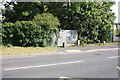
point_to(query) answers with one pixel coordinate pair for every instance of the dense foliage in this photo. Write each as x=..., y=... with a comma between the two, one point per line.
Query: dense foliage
x=47, y=20
x=117, y=32
x=22, y=11
x=26, y=33
x=94, y=21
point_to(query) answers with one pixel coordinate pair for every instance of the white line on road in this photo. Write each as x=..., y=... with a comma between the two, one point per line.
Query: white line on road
x=113, y=57
x=67, y=78
x=55, y=64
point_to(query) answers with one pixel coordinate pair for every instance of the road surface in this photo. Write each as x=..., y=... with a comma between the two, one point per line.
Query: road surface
x=96, y=62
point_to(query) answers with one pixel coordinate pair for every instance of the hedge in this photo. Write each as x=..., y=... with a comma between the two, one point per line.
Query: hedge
x=26, y=33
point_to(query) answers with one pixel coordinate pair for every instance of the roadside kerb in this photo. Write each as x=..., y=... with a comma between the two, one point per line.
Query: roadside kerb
x=93, y=50
x=63, y=52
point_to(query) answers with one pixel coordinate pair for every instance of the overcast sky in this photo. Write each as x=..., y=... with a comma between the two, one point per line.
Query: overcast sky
x=115, y=10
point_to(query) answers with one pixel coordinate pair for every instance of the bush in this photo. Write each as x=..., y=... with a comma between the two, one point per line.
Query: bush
x=26, y=33
x=46, y=20
x=117, y=32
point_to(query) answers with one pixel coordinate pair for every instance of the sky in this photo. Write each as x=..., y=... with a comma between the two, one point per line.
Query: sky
x=114, y=9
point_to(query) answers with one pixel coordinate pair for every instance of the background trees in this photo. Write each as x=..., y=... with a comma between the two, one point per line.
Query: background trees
x=22, y=11
x=94, y=21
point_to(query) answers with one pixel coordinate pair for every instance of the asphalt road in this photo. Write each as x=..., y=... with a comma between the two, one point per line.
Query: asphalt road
x=85, y=63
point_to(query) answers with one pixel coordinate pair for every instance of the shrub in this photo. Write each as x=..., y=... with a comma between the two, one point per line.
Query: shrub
x=117, y=32
x=26, y=33
x=49, y=24
x=21, y=33
x=46, y=20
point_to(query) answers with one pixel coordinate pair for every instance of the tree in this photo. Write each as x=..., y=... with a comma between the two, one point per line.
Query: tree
x=60, y=10
x=34, y=26
x=22, y=11
x=93, y=20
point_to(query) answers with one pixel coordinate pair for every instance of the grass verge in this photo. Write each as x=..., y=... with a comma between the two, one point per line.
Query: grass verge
x=32, y=50
x=26, y=50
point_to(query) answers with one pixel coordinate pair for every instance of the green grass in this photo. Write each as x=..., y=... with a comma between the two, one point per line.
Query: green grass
x=26, y=50
x=32, y=50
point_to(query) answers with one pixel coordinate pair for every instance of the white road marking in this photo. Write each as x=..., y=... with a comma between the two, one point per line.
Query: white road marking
x=55, y=64
x=113, y=57
x=67, y=78
x=61, y=52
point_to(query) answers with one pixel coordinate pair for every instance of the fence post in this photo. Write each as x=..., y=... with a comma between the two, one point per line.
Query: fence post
x=111, y=36
x=78, y=42
x=64, y=44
